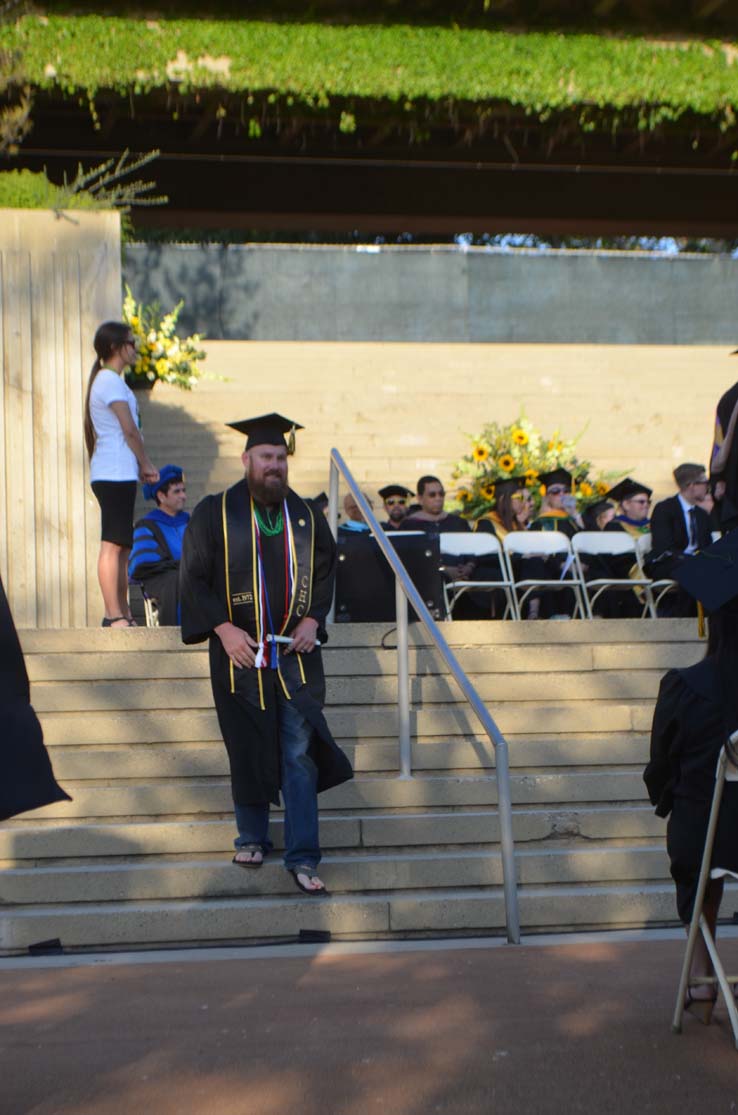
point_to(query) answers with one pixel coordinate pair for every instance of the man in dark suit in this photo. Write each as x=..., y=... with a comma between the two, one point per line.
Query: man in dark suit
x=679, y=529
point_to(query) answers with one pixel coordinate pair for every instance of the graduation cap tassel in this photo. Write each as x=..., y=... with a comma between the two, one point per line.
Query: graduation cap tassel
x=291, y=442
x=700, y=620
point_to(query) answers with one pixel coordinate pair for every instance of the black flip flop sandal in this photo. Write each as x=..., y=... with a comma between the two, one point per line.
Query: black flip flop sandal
x=303, y=869
x=249, y=863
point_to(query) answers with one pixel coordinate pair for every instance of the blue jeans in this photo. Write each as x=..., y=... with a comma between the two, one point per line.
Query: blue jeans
x=299, y=794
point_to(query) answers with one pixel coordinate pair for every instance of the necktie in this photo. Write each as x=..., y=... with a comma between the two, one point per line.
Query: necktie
x=693, y=527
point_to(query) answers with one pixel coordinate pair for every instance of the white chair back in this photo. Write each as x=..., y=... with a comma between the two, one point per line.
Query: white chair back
x=536, y=542
x=469, y=545
x=609, y=542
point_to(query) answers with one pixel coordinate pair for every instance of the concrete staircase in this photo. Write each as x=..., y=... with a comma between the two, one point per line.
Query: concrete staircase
x=142, y=854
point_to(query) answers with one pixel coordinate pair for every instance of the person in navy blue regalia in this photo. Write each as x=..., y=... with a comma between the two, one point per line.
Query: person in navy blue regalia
x=157, y=543
x=257, y=562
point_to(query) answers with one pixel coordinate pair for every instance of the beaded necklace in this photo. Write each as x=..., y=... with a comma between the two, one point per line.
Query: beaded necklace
x=269, y=530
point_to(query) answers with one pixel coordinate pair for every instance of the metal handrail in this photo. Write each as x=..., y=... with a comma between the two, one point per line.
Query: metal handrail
x=406, y=592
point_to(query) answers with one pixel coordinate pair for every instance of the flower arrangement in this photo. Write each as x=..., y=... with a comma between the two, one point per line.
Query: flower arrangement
x=162, y=355
x=518, y=449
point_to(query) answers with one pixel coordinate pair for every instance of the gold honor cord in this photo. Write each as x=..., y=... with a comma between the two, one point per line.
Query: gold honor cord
x=257, y=599
x=228, y=584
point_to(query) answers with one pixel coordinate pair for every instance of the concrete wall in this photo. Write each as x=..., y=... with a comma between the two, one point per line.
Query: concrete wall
x=59, y=278
x=440, y=294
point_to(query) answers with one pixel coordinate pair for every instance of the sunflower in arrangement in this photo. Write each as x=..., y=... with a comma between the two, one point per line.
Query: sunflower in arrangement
x=519, y=450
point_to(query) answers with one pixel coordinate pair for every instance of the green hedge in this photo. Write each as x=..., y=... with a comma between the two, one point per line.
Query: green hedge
x=27, y=189
x=313, y=63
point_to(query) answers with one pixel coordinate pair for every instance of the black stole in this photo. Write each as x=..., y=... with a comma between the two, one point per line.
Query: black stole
x=239, y=543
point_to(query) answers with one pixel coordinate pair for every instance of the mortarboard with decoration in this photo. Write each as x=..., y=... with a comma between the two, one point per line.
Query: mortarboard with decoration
x=268, y=429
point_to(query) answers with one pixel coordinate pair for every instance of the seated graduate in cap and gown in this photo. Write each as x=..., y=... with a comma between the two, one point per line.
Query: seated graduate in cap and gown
x=612, y=603
x=558, y=507
x=557, y=513
x=634, y=507
x=512, y=512
x=696, y=712
x=395, y=499
x=263, y=566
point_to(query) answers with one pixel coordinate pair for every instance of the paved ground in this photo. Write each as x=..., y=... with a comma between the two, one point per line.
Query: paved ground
x=579, y=1027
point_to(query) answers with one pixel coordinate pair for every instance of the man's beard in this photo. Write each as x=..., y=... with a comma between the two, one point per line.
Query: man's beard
x=269, y=489
x=397, y=516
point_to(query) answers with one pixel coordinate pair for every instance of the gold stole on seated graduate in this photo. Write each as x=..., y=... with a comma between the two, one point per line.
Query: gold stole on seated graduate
x=245, y=608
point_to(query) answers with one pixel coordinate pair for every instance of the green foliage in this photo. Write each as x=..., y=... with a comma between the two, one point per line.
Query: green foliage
x=27, y=189
x=313, y=63
x=100, y=188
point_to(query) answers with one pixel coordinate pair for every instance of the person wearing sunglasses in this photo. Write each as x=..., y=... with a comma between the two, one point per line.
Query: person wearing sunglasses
x=395, y=499
x=558, y=509
x=634, y=507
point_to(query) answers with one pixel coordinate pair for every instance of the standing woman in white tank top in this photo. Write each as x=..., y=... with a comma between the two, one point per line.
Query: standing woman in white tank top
x=118, y=460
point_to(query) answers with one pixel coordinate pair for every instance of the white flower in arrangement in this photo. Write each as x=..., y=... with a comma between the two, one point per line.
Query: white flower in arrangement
x=162, y=354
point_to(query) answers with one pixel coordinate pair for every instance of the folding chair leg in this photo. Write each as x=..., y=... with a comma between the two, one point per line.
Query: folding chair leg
x=698, y=924
x=725, y=987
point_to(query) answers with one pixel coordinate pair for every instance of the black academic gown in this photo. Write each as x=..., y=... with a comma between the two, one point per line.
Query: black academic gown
x=217, y=585
x=687, y=734
x=726, y=509
x=26, y=778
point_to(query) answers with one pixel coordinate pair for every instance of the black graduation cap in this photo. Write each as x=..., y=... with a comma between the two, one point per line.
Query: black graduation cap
x=711, y=576
x=268, y=429
x=508, y=484
x=320, y=501
x=626, y=489
x=591, y=512
x=556, y=476
x=395, y=490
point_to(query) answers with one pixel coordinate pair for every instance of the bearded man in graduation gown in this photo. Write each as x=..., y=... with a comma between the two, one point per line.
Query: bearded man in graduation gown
x=257, y=562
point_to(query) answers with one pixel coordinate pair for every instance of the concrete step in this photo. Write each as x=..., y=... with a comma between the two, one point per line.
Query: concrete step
x=355, y=724
x=193, y=760
x=503, y=692
x=190, y=797
x=178, y=662
x=647, y=634
x=402, y=913
x=217, y=877
x=32, y=839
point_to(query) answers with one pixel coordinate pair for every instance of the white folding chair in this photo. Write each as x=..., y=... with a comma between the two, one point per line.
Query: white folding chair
x=466, y=546
x=605, y=543
x=544, y=543
x=727, y=770
x=660, y=586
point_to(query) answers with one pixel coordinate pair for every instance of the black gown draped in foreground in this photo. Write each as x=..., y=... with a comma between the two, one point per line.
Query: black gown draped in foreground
x=687, y=734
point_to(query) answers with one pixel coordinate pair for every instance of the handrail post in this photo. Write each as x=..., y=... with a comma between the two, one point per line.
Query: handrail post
x=507, y=847
x=333, y=524
x=403, y=682
x=406, y=588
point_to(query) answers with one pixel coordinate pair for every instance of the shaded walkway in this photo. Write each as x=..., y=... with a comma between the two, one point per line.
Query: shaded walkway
x=574, y=1027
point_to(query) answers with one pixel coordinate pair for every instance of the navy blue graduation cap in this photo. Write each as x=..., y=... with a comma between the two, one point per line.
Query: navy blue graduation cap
x=268, y=429
x=711, y=576
x=166, y=474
